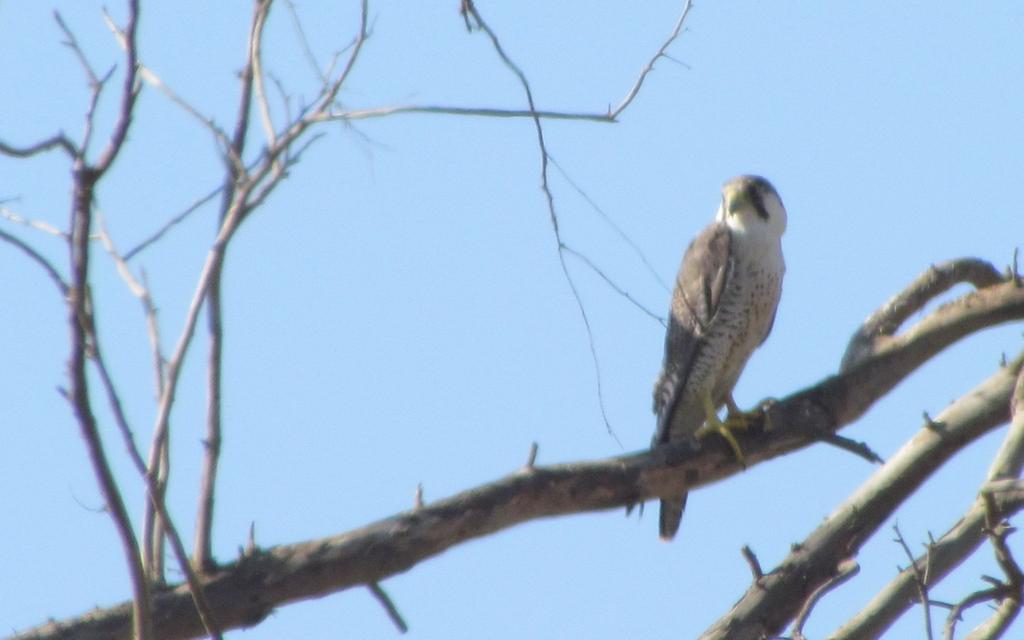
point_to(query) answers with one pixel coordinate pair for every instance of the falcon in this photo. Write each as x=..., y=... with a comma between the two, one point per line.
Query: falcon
x=723, y=308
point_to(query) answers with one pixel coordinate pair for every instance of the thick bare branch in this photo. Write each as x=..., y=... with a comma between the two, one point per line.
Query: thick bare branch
x=892, y=360
x=963, y=539
x=766, y=609
x=888, y=318
x=244, y=592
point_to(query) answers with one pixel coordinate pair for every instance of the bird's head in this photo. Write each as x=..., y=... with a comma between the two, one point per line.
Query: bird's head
x=750, y=205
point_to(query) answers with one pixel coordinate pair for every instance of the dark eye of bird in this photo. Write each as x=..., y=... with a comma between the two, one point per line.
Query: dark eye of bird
x=758, y=202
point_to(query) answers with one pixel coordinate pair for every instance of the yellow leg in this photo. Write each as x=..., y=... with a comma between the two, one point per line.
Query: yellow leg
x=714, y=424
x=739, y=419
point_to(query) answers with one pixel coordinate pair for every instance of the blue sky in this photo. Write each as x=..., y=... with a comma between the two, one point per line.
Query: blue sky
x=397, y=315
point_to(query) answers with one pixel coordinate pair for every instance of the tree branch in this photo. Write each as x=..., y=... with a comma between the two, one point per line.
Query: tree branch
x=938, y=279
x=80, y=321
x=203, y=544
x=58, y=140
x=661, y=53
x=963, y=539
x=244, y=592
x=766, y=609
x=38, y=258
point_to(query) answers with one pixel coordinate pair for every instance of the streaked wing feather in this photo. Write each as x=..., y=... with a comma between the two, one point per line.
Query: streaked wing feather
x=702, y=278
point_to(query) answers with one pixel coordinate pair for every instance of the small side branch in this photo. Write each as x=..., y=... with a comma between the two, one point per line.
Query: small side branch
x=860, y=449
x=484, y=112
x=662, y=52
x=755, y=565
x=389, y=606
x=847, y=569
x=920, y=580
x=53, y=142
x=39, y=259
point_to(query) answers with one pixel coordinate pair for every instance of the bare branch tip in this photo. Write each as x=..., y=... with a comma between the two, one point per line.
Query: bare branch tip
x=389, y=606
x=532, y=457
x=755, y=565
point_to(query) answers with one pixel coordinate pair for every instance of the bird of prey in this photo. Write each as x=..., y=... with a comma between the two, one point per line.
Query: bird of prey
x=723, y=308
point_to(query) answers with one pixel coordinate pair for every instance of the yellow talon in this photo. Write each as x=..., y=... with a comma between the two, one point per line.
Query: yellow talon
x=740, y=419
x=714, y=424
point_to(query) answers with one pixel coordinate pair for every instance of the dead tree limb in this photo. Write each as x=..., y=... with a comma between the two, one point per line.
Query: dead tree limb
x=962, y=540
x=244, y=592
x=767, y=608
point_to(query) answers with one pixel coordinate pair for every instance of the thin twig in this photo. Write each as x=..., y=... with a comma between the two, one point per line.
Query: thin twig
x=1009, y=591
x=635, y=89
x=256, y=60
x=611, y=223
x=159, y=233
x=153, y=326
x=150, y=77
x=129, y=90
x=451, y=110
x=307, y=50
x=619, y=290
x=96, y=83
x=154, y=491
x=470, y=8
x=956, y=614
x=53, y=142
x=38, y=258
x=71, y=42
x=203, y=541
x=919, y=580
x=38, y=225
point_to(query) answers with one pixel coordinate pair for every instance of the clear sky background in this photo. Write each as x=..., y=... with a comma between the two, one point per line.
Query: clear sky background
x=396, y=313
